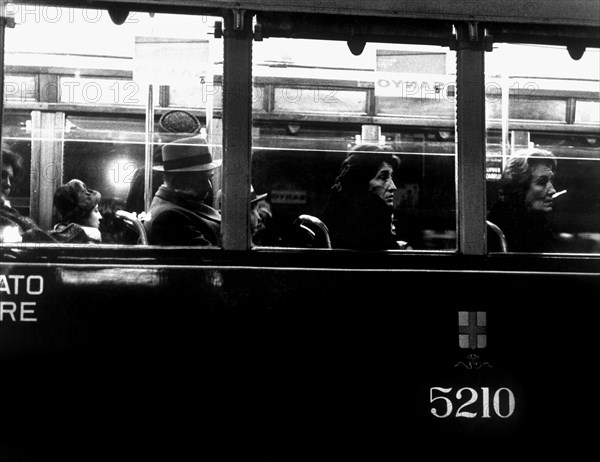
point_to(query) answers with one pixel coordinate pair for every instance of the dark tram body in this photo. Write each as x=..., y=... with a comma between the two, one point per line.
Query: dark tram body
x=288, y=358
x=290, y=352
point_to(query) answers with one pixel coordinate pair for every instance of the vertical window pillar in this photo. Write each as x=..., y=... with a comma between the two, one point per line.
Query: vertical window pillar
x=47, y=147
x=237, y=130
x=471, y=139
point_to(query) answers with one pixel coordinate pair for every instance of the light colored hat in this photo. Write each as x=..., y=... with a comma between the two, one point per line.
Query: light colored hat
x=256, y=197
x=187, y=155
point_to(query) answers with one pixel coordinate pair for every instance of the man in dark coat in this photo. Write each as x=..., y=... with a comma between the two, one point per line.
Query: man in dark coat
x=178, y=214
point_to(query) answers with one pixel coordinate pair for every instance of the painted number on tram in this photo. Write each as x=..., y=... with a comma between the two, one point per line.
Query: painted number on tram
x=469, y=403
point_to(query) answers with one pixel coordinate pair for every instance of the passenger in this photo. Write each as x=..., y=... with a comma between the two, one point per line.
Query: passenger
x=28, y=230
x=9, y=230
x=171, y=126
x=359, y=213
x=178, y=214
x=260, y=214
x=260, y=217
x=112, y=228
x=11, y=166
x=79, y=216
x=525, y=204
x=13, y=221
x=135, y=198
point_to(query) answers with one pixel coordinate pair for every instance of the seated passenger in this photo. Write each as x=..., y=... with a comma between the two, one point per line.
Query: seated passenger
x=9, y=230
x=79, y=217
x=178, y=214
x=172, y=125
x=359, y=213
x=260, y=215
x=112, y=228
x=135, y=197
x=26, y=228
x=11, y=165
x=524, y=208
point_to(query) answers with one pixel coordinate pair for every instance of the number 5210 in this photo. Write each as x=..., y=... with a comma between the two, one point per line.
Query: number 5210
x=473, y=405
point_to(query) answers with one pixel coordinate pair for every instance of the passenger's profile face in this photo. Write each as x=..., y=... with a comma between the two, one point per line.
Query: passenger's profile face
x=93, y=220
x=539, y=195
x=382, y=184
x=7, y=177
x=260, y=213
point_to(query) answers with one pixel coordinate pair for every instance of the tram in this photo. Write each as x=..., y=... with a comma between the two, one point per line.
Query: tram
x=286, y=349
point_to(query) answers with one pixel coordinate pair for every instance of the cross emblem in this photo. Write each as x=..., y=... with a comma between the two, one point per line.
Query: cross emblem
x=472, y=329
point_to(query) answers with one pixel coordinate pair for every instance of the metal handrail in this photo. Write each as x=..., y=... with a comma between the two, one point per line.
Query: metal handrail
x=302, y=219
x=132, y=220
x=500, y=234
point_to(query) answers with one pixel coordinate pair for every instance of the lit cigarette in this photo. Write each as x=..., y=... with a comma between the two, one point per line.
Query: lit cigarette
x=559, y=193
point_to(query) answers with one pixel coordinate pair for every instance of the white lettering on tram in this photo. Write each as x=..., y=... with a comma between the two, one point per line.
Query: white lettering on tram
x=503, y=403
x=17, y=311
x=19, y=285
x=14, y=284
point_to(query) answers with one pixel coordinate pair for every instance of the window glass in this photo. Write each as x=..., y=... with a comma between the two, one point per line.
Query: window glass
x=543, y=151
x=331, y=121
x=19, y=87
x=108, y=101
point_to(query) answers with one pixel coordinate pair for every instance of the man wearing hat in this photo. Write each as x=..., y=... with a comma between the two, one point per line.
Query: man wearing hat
x=178, y=214
x=172, y=125
x=260, y=213
x=260, y=216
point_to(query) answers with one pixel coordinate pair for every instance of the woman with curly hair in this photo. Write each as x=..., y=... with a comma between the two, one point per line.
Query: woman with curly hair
x=525, y=204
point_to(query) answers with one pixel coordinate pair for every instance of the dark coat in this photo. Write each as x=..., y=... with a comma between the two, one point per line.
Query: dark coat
x=360, y=223
x=29, y=230
x=135, y=198
x=525, y=231
x=174, y=220
x=72, y=233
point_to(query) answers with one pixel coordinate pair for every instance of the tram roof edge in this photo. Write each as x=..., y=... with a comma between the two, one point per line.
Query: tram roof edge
x=555, y=12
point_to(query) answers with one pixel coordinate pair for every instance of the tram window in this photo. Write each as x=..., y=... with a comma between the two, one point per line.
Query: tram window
x=98, y=93
x=323, y=103
x=540, y=100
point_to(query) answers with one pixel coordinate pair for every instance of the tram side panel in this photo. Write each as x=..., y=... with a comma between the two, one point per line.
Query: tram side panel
x=289, y=361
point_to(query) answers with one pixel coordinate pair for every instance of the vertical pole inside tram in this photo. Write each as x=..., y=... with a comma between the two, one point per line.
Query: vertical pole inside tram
x=148, y=145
